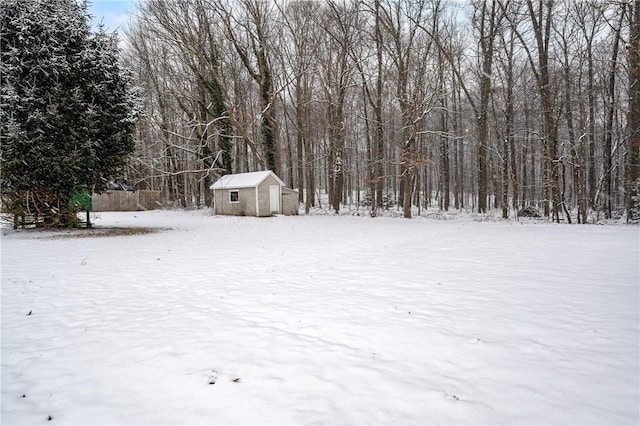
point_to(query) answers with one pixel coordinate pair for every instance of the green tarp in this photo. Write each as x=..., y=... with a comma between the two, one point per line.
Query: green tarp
x=82, y=200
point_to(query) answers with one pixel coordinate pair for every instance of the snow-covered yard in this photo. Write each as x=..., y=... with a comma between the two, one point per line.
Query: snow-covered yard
x=321, y=320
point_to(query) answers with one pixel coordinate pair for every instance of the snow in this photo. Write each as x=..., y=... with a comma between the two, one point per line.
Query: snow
x=244, y=180
x=320, y=320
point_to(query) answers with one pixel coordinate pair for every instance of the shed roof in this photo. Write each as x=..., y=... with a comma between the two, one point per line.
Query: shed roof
x=244, y=180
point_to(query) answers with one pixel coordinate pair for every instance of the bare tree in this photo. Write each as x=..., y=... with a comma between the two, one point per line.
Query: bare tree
x=508, y=152
x=372, y=87
x=487, y=21
x=409, y=49
x=632, y=182
x=566, y=33
x=589, y=21
x=391, y=98
x=611, y=107
x=247, y=27
x=540, y=15
x=339, y=24
x=303, y=35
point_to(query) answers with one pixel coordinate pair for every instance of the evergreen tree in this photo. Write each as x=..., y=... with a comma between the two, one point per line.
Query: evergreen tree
x=67, y=111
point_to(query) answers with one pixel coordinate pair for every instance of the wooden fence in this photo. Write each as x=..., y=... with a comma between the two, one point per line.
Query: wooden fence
x=126, y=201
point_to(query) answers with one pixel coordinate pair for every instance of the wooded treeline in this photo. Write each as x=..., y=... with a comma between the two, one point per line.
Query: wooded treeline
x=484, y=105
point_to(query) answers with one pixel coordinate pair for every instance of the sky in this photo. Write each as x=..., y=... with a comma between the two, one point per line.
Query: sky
x=114, y=14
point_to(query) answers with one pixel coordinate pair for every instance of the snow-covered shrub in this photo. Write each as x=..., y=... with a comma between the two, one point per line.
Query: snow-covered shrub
x=387, y=200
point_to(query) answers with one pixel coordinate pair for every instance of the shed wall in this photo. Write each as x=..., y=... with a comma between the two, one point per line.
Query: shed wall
x=245, y=207
x=290, y=204
x=263, y=196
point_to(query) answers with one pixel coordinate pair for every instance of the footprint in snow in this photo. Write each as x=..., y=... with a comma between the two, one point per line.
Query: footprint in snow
x=213, y=378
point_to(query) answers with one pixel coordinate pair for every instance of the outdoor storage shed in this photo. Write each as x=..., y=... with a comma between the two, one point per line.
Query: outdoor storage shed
x=253, y=194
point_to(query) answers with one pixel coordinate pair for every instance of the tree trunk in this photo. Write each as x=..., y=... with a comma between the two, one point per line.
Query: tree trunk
x=633, y=116
x=301, y=106
x=591, y=128
x=541, y=21
x=578, y=174
x=444, y=144
x=608, y=130
x=489, y=24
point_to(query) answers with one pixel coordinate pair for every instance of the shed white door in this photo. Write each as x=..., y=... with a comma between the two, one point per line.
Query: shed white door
x=274, y=198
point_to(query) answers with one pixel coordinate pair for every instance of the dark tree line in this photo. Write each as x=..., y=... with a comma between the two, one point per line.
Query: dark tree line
x=491, y=104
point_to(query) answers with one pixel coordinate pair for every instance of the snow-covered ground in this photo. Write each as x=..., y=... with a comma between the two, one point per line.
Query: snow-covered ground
x=320, y=320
